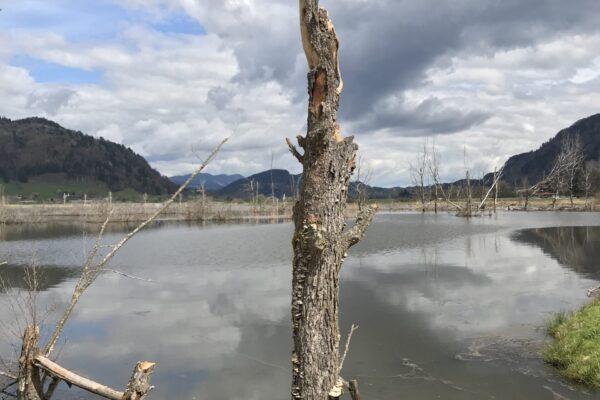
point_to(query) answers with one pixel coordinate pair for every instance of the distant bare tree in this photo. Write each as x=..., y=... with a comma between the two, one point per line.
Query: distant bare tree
x=493, y=187
x=567, y=165
x=418, y=174
x=363, y=178
x=434, y=171
x=573, y=155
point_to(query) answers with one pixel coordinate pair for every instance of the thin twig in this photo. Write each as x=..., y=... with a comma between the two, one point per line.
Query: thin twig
x=352, y=329
x=129, y=276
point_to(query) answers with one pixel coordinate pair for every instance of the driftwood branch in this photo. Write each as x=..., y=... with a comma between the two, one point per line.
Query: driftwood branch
x=137, y=388
x=363, y=219
x=74, y=379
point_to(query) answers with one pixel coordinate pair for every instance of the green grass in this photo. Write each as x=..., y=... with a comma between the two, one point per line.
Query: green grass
x=575, y=350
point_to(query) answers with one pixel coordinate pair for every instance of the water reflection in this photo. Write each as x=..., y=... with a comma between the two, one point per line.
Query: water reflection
x=577, y=248
x=447, y=308
x=16, y=277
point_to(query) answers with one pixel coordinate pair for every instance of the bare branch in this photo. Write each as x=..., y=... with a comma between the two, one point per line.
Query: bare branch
x=352, y=329
x=77, y=380
x=496, y=180
x=294, y=150
x=129, y=276
x=363, y=219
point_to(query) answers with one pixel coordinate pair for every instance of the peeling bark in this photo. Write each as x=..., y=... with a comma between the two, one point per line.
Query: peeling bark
x=320, y=242
x=28, y=383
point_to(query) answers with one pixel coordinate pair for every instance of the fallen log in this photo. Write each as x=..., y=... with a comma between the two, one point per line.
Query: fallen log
x=137, y=388
x=77, y=380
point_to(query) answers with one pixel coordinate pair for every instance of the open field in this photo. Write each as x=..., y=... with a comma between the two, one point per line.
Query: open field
x=238, y=211
x=134, y=212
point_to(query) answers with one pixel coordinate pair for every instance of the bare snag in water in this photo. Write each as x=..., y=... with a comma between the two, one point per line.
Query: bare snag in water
x=320, y=241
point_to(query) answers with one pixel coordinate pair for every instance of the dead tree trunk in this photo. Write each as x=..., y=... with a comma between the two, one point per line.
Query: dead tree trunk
x=29, y=384
x=320, y=242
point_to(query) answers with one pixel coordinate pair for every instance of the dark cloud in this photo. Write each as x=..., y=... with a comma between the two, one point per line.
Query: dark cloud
x=429, y=117
x=388, y=45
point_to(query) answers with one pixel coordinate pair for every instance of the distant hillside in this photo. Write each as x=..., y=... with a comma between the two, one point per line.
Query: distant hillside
x=41, y=151
x=211, y=182
x=533, y=165
x=283, y=184
x=286, y=183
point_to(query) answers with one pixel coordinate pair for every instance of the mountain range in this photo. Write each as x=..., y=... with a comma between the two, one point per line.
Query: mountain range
x=36, y=153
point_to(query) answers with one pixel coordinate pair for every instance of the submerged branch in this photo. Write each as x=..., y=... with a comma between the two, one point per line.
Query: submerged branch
x=91, y=270
x=7, y=374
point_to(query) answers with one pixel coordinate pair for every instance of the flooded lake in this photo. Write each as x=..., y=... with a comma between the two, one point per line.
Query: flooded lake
x=448, y=308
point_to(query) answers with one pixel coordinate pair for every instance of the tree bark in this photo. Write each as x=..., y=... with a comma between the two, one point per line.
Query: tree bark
x=28, y=383
x=320, y=242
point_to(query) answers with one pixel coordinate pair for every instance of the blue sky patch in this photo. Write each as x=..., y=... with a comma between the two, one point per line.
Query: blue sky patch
x=179, y=22
x=49, y=72
x=75, y=20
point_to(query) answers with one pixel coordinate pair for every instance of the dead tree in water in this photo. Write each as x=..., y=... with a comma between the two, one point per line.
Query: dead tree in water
x=320, y=241
x=567, y=165
x=434, y=169
x=418, y=173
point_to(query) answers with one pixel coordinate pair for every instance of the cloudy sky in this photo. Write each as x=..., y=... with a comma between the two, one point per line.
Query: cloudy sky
x=169, y=78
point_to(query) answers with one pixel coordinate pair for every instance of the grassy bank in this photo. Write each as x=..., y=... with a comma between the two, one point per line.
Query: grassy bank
x=575, y=350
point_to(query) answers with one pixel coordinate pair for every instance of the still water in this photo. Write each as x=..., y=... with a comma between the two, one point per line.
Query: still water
x=448, y=308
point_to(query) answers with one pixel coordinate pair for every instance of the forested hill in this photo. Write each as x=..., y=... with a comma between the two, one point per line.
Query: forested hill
x=36, y=149
x=530, y=167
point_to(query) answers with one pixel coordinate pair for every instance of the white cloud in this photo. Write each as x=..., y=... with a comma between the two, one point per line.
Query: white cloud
x=173, y=96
